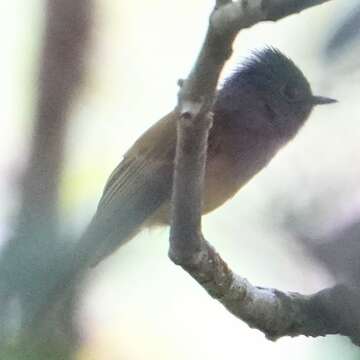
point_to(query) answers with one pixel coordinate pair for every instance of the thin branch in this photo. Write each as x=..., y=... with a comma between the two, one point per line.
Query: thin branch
x=274, y=312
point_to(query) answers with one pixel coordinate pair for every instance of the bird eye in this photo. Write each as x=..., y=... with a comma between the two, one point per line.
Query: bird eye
x=291, y=92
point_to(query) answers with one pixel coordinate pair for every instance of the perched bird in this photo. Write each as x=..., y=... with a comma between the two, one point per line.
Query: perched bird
x=258, y=110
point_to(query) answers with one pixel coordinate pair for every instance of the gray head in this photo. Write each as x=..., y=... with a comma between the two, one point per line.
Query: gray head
x=270, y=92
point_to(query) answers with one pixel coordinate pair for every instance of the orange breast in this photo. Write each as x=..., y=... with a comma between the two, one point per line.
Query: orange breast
x=221, y=183
x=233, y=159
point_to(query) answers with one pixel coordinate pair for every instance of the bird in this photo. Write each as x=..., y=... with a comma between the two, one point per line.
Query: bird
x=258, y=109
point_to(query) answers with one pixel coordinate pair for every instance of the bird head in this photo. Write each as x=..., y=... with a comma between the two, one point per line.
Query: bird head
x=273, y=89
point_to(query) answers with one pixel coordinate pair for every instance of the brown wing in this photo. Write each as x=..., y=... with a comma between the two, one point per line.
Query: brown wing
x=138, y=186
x=154, y=149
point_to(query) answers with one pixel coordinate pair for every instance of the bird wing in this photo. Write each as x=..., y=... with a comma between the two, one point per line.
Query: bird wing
x=138, y=186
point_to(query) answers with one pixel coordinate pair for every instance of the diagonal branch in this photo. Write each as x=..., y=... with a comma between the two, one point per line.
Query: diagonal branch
x=274, y=312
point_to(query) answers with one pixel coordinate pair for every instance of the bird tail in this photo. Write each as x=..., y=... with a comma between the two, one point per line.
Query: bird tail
x=116, y=224
x=98, y=242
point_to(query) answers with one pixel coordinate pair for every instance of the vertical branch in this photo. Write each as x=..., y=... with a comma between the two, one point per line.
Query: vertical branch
x=30, y=262
x=61, y=70
x=189, y=179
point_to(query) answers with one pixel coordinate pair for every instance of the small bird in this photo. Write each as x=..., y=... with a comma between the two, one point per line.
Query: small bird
x=258, y=110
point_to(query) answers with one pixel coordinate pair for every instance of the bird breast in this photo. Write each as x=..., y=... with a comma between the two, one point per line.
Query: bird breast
x=230, y=165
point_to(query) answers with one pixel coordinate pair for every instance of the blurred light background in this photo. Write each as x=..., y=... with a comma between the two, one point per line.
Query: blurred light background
x=137, y=304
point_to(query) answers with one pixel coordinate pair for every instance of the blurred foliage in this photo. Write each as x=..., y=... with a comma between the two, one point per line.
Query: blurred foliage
x=345, y=32
x=44, y=352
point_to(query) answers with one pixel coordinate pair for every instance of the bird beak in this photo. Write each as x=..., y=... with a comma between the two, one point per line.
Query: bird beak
x=321, y=100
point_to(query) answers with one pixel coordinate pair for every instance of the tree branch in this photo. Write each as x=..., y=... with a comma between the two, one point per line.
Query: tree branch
x=274, y=312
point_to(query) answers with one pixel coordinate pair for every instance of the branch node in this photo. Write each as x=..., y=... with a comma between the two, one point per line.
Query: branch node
x=185, y=258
